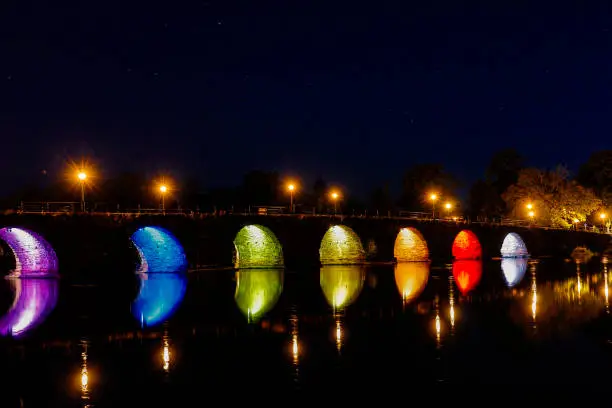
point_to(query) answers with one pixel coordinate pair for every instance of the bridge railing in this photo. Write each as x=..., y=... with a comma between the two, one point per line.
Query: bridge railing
x=67, y=207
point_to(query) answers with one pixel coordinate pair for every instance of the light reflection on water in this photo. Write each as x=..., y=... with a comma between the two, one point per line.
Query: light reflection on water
x=436, y=327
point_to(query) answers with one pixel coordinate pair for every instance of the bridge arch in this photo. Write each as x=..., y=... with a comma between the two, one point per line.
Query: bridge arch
x=514, y=246
x=159, y=250
x=466, y=246
x=34, y=256
x=341, y=246
x=410, y=246
x=256, y=246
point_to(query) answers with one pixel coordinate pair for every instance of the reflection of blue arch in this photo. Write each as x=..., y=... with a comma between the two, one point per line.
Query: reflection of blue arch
x=34, y=301
x=159, y=250
x=514, y=246
x=159, y=297
x=514, y=270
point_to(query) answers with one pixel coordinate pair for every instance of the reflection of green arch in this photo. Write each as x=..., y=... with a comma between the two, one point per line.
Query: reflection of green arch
x=257, y=291
x=257, y=247
x=341, y=246
x=342, y=284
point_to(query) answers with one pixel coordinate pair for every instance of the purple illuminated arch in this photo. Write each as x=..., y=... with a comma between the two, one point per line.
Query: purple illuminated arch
x=34, y=256
x=34, y=300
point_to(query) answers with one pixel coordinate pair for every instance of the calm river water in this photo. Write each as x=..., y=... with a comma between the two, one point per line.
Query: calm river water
x=367, y=329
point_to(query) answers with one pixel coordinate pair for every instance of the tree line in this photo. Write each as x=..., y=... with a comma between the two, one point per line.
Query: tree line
x=558, y=197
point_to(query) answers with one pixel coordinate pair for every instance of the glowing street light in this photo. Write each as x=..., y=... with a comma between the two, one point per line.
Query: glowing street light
x=433, y=197
x=291, y=188
x=529, y=206
x=448, y=207
x=531, y=215
x=163, y=189
x=82, y=176
x=335, y=196
x=603, y=217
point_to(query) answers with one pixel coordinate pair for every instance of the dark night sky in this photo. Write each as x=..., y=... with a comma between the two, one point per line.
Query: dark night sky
x=355, y=93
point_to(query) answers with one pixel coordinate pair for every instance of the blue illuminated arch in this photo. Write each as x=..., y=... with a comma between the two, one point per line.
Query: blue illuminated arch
x=159, y=250
x=159, y=296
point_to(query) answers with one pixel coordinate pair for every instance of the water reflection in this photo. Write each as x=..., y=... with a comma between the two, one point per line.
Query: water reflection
x=467, y=275
x=34, y=301
x=84, y=374
x=159, y=296
x=514, y=270
x=257, y=291
x=342, y=284
x=411, y=279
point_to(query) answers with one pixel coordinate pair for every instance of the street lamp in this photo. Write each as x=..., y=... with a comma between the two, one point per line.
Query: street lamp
x=433, y=197
x=334, y=196
x=530, y=206
x=603, y=217
x=531, y=215
x=82, y=176
x=448, y=207
x=291, y=188
x=163, y=189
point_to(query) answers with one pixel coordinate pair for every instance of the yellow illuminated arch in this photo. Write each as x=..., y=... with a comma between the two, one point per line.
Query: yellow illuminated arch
x=341, y=246
x=257, y=247
x=410, y=246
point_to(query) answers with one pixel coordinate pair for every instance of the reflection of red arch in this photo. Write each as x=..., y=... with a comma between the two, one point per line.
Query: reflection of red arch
x=466, y=246
x=467, y=274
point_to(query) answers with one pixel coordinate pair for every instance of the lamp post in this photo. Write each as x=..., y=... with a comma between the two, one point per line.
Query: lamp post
x=334, y=196
x=163, y=189
x=448, y=207
x=603, y=217
x=531, y=215
x=82, y=176
x=433, y=197
x=291, y=188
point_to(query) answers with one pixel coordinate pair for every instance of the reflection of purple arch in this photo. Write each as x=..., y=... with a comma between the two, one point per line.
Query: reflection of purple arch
x=34, y=300
x=34, y=256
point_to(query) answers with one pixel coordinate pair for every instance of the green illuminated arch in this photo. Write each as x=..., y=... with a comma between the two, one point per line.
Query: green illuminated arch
x=257, y=291
x=257, y=247
x=342, y=284
x=341, y=246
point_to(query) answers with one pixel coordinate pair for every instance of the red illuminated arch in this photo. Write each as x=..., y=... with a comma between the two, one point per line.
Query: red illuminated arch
x=467, y=274
x=466, y=246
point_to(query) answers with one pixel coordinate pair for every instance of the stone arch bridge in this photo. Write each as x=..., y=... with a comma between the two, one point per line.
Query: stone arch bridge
x=83, y=244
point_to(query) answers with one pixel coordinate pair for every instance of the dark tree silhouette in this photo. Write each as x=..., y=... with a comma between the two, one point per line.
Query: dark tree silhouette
x=596, y=174
x=423, y=178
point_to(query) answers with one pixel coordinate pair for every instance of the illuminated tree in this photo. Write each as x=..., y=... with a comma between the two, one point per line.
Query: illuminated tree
x=557, y=200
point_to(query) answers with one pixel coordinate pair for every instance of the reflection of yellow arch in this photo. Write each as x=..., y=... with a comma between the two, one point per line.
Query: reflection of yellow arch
x=411, y=279
x=341, y=246
x=341, y=284
x=410, y=246
x=257, y=247
x=257, y=291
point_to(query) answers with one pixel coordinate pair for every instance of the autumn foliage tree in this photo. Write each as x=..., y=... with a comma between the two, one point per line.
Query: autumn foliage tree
x=557, y=199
